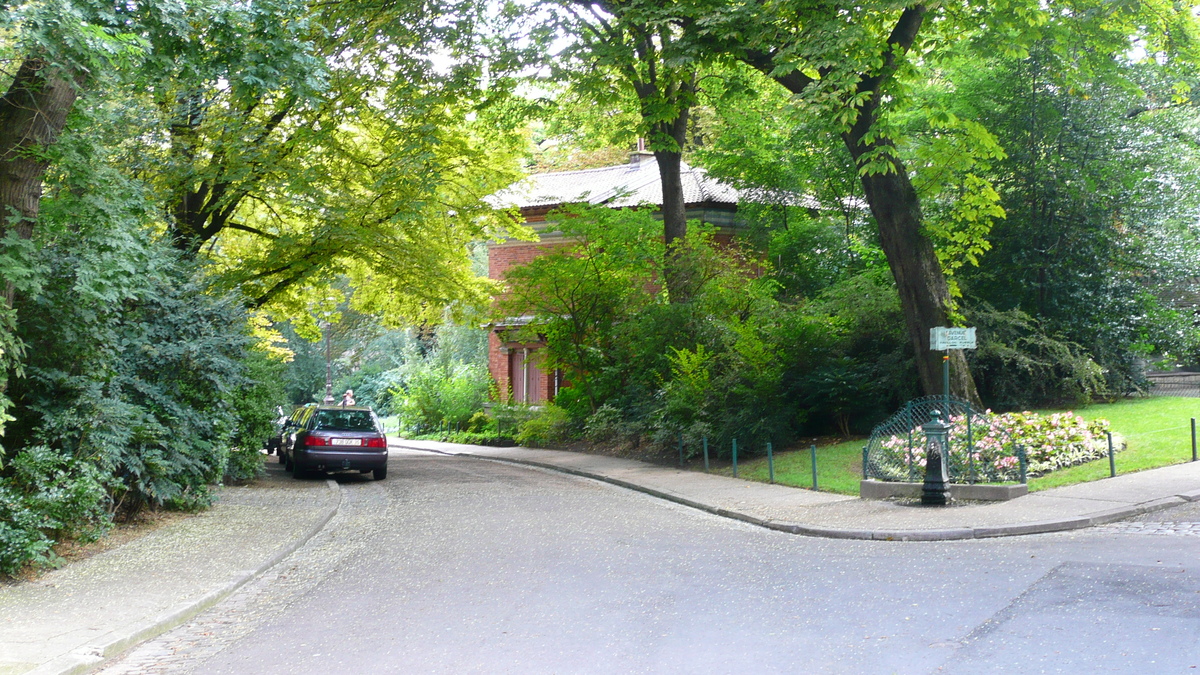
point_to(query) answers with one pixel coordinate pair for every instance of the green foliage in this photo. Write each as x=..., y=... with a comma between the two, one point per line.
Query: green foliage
x=583, y=295
x=1019, y=365
x=868, y=369
x=244, y=464
x=1093, y=242
x=733, y=362
x=254, y=403
x=44, y=497
x=550, y=426
x=317, y=146
x=143, y=386
x=440, y=381
x=437, y=395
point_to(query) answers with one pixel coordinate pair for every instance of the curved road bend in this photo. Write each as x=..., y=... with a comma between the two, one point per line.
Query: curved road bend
x=454, y=565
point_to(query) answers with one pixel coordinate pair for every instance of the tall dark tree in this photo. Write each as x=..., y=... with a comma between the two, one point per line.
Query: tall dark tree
x=643, y=48
x=856, y=64
x=1099, y=218
x=924, y=292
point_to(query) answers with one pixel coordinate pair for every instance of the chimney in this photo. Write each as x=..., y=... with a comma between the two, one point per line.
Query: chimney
x=637, y=157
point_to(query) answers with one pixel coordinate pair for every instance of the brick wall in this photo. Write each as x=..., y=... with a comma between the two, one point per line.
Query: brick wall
x=498, y=365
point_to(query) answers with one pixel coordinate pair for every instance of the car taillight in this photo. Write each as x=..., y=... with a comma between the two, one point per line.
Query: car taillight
x=377, y=442
x=316, y=440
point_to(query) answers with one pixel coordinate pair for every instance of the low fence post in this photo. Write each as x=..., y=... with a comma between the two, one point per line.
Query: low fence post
x=864, y=462
x=680, y=449
x=735, y=458
x=770, y=463
x=971, y=476
x=706, y=453
x=1023, y=463
x=1193, y=439
x=1112, y=466
x=813, y=451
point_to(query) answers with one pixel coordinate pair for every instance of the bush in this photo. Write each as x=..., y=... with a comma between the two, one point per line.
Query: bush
x=46, y=498
x=245, y=464
x=149, y=387
x=605, y=424
x=481, y=423
x=1018, y=364
x=470, y=438
x=438, y=395
x=550, y=426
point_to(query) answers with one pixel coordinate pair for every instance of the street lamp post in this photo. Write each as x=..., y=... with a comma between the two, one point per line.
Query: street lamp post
x=328, y=366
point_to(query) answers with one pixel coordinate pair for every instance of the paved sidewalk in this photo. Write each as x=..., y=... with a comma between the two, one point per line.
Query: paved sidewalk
x=73, y=619
x=825, y=514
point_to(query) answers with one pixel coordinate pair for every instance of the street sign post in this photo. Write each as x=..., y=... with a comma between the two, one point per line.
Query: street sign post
x=945, y=339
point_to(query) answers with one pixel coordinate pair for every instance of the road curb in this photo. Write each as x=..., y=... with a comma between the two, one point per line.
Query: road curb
x=92, y=656
x=944, y=534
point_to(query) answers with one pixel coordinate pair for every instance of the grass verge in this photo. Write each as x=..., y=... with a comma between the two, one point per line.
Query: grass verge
x=1157, y=431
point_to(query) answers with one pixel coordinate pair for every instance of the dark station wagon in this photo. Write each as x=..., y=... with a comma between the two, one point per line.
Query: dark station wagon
x=334, y=438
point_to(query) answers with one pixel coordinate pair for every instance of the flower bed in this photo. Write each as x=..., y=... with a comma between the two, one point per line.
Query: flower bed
x=987, y=452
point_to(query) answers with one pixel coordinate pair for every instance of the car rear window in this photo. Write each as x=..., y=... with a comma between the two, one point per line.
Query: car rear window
x=344, y=420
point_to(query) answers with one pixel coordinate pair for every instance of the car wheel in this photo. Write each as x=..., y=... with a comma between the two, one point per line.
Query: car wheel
x=297, y=472
x=380, y=473
x=286, y=461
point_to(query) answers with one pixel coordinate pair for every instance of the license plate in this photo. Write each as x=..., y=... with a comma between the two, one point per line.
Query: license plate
x=347, y=441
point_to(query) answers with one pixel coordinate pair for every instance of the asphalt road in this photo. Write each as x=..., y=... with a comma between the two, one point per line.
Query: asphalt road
x=456, y=565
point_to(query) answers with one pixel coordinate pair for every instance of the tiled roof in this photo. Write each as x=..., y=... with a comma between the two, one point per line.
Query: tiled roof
x=615, y=186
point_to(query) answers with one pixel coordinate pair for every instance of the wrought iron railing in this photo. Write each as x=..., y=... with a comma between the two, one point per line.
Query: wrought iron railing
x=981, y=451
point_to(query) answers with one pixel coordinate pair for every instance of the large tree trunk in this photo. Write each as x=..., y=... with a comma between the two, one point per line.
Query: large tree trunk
x=33, y=113
x=924, y=293
x=674, y=215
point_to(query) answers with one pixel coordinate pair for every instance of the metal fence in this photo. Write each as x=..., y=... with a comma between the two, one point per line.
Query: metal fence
x=980, y=450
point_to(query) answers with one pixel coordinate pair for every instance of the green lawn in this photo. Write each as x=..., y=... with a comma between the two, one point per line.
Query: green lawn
x=839, y=467
x=1156, y=430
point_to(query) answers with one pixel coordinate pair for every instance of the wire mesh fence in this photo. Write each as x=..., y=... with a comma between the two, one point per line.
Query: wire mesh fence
x=981, y=451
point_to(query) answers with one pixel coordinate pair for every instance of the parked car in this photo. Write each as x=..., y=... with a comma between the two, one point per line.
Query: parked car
x=334, y=438
x=271, y=444
x=287, y=432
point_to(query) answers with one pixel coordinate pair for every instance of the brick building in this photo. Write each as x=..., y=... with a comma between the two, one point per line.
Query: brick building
x=517, y=366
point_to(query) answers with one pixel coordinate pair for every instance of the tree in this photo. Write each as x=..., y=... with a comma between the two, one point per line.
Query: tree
x=816, y=52
x=804, y=207
x=639, y=48
x=1098, y=188
x=854, y=64
x=581, y=295
x=305, y=146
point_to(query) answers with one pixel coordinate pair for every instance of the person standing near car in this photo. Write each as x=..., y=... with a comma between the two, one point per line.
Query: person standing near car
x=348, y=397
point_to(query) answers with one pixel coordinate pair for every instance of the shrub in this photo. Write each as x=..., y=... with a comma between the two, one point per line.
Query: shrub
x=551, y=426
x=481, y=423
x=46, y=498
x=142, y=374
x=245, y=464
x=604, y=425
x=470, y=438
x=437, y=395
x=1018, y=364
